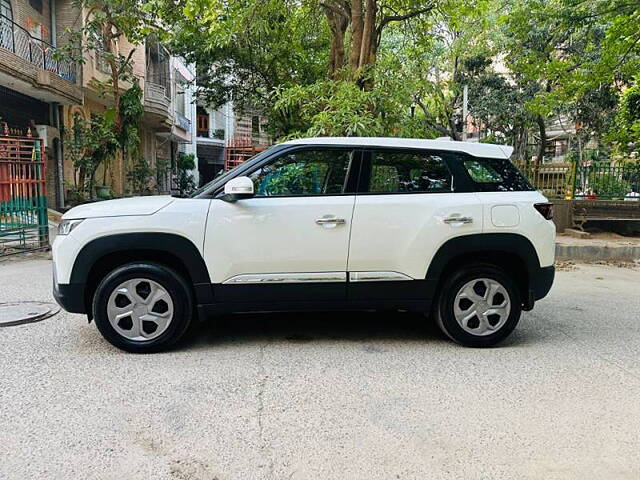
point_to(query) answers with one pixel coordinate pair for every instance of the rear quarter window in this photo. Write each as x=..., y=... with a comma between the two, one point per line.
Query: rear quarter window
x=494, y=175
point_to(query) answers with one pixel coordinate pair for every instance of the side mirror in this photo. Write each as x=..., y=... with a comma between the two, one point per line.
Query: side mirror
x=238, y=188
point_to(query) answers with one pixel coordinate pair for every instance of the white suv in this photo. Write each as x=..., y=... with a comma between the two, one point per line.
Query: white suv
x=450, y=229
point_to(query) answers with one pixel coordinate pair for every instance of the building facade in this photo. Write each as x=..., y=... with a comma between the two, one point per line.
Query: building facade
x=219, y=131
x=34, y=87
x=168, y=86
x=40, y=96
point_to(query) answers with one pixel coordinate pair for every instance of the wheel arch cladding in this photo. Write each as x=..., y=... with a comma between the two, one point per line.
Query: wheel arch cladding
x=510, y=251
x=104, y=254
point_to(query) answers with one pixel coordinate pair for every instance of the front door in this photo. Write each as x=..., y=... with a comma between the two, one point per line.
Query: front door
x=290, y=241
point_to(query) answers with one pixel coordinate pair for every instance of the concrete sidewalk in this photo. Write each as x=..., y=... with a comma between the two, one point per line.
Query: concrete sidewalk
x=598, y=247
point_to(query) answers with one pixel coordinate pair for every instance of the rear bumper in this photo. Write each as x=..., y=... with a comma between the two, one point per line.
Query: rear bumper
x=542, y=281
x=69, y=296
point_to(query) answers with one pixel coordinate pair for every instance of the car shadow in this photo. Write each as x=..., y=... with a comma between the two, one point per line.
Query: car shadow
x=307, y=327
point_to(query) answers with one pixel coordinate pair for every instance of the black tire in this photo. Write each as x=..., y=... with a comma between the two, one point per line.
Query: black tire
x=171, y=281
x=445, y=316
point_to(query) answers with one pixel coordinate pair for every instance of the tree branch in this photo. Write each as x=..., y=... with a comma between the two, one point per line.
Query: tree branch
x=335, y=9
x=126, y=61
x=430, y=118
x=401, y=18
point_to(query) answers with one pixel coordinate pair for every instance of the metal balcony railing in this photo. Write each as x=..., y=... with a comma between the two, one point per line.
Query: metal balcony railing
x=38, y=52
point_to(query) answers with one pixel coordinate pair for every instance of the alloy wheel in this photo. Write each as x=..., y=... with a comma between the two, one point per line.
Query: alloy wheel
x=482, y=306
x=140, y=309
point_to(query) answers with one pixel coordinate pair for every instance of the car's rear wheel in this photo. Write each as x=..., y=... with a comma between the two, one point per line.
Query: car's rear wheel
x=142, y=307
x=478, y=306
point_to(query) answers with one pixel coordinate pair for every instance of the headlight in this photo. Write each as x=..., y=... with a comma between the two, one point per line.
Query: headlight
x=67, y=226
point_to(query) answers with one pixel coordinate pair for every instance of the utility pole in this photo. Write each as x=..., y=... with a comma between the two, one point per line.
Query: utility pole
x=465, y=101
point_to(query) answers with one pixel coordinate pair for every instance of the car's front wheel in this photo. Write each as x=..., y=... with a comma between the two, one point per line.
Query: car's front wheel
x=478, y=306
x=143, y=307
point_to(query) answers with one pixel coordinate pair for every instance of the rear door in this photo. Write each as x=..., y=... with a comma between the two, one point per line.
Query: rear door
x=405, y=210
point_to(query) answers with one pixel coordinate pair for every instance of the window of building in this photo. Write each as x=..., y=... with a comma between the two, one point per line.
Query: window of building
x=404, y=172
x=36, y=5
x=202, y=120
x=255, y=125
x=5, y=10
x=6, y=25
x=158, y=65
x=180, y=99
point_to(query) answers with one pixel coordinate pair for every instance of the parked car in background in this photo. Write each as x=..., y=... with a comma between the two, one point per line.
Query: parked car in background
x=450, y=229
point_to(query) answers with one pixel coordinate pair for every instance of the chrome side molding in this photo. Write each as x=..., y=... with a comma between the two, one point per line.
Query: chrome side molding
x=315, y=277
x=305, y=277
x=378, y=276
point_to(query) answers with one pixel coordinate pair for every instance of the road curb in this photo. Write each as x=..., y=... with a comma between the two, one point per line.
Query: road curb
x=594, y=253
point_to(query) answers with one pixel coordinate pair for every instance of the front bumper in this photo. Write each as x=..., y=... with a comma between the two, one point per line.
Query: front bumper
x=69, y=296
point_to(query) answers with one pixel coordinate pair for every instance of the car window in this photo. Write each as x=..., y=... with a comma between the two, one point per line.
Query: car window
x=304, y=172
x=225, y=175
x=482, y=172
x=402, y=172
x=495, y=175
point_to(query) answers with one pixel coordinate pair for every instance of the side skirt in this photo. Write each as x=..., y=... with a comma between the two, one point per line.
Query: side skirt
x=413, y=295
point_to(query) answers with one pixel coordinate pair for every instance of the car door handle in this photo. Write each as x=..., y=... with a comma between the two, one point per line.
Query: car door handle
x=331, y=221
x=457, y=219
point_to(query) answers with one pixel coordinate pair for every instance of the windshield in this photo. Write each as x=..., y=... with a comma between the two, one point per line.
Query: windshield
x=224, y=174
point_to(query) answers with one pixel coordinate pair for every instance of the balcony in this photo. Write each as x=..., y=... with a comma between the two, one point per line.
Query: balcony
x=35, y=51
x=157, y=104
x=183, y=122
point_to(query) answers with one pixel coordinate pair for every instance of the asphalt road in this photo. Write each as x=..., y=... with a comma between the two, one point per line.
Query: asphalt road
x=329, y=396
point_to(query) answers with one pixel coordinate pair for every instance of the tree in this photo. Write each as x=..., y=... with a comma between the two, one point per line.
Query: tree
x=112, y=30
x=185, y=165
x=89, y=144
x=367, y=20
x=109, y=25
x=625, y=133
x=245, y=49
x=252, y=52
x=565, y=51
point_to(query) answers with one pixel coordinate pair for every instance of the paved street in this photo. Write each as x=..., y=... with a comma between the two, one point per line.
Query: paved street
x=329, y=396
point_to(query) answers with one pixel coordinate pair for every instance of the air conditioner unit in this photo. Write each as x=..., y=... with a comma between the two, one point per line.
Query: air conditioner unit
x=47, y=133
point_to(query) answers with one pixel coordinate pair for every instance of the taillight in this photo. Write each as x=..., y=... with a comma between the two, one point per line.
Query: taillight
x=545, y=209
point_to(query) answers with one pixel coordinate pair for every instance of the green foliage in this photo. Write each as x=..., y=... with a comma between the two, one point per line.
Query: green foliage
x=330, y=108
x=90, y=145
x=523, y=62
x=625, y=133
x=185, y=165
x=140, y=176
x=608, y=184
x=104, y=23
x=131, y=112
x=244, y=49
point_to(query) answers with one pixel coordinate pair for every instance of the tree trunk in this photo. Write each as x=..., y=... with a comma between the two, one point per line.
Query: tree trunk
x=542, y=146
x=357, y=30
x=519, y=140
x=368, y=33
x=338, y=23
x=453, y=131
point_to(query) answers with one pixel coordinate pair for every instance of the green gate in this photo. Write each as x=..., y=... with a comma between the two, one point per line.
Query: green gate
x=24, y=225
